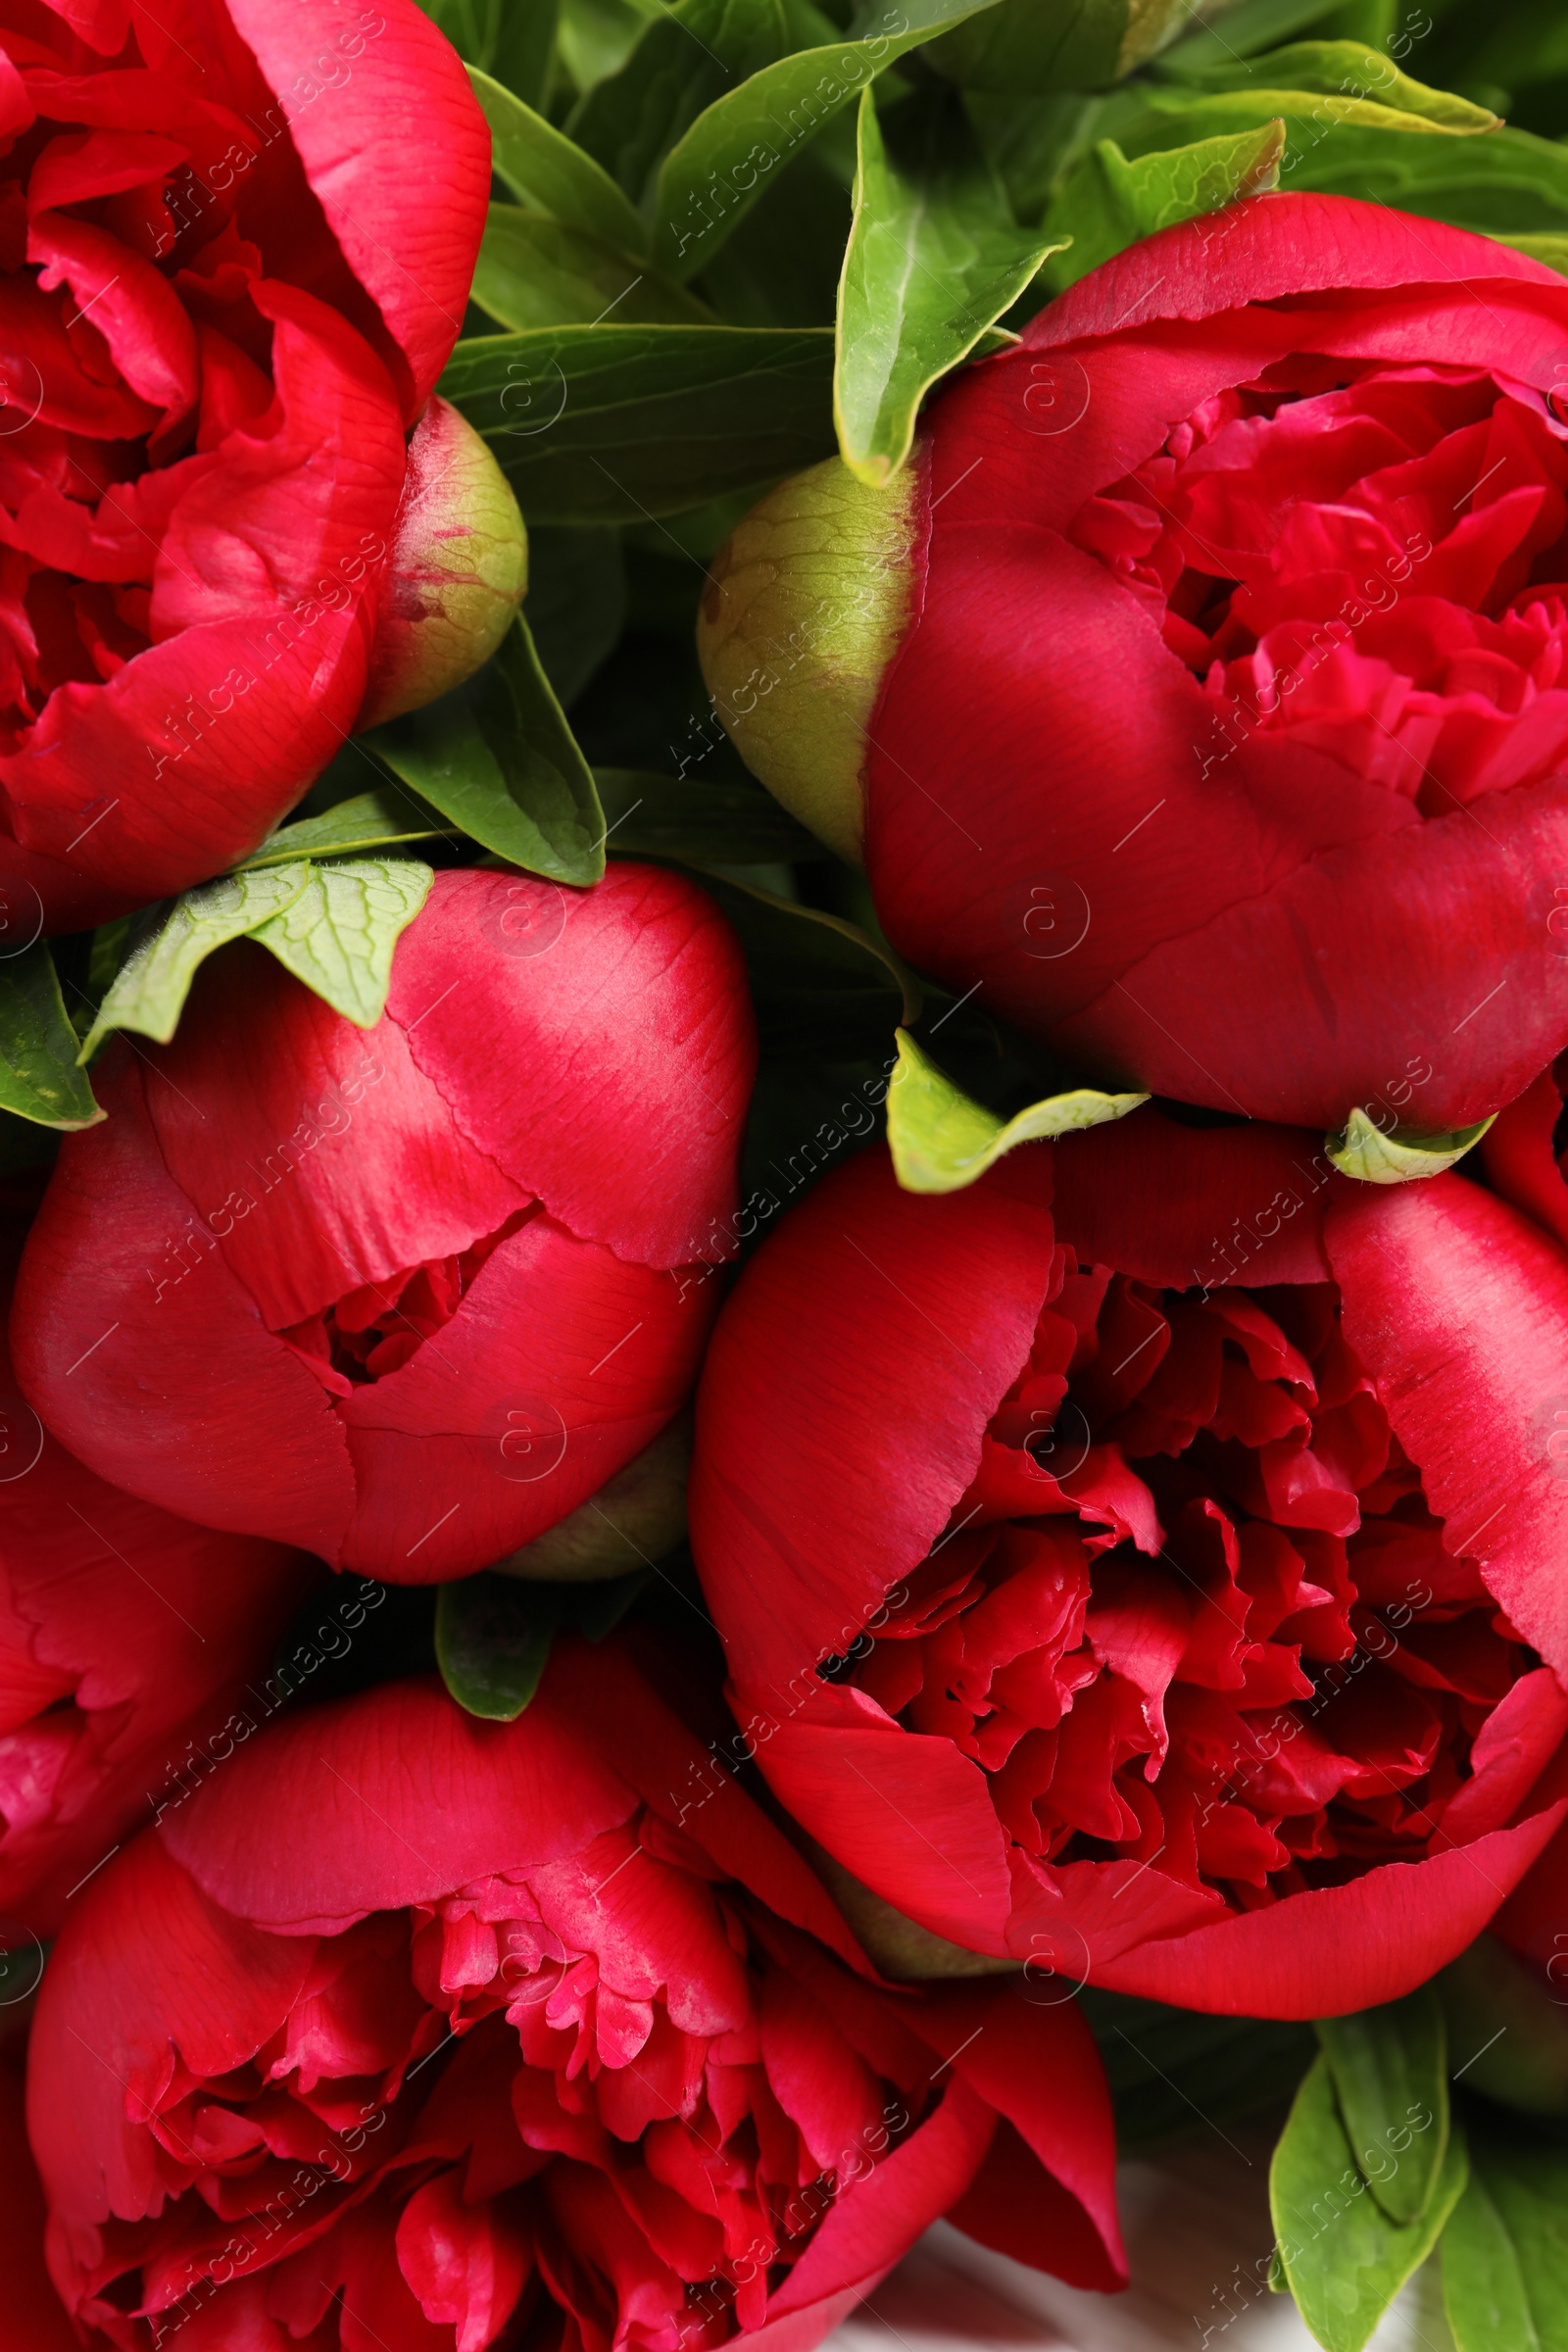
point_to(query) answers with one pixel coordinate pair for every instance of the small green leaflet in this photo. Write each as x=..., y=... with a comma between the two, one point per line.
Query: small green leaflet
x=549, y=174
x=333, y=926
x=1505, y=2248
x=1391, y=2073
x=338, y=936
x=715, y=173
x=493, y=1633
x=1346, y=69
x=39, y=1078
x=614, y=423
x=1362, y=1148
x=368, y=820
x=934, y=257
x=1342, y=2257
x=1109, y=203
x=533, y=271
x=497, y=757
x=941, y=1141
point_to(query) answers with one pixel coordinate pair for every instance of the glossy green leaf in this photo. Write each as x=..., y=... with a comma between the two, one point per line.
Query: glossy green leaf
x=492, y=1641
x=576, y=601
x=339, y=933
x=1324, y=131
x=619, y=424
x=698, y=820
x=1110, y=202
x=1391, y=2073
x=1378, y=1156
x=1346, y=70
x=549, y=174
x=934, y=257
x=510, y=39
x=1345, y=2260
x=149, y=993
x=498, y=757
x=1552, y=248
x=533, y=273
x=595, y=37
x=39, y=1077
x=941, y=1141
x=1067, y=45
x=686, y=57
x=368, y=820
x=1507, y=184
x=718, y=170
x=1505, y=2248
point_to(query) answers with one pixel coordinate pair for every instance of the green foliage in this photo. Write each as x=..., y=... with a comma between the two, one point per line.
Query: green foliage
x=1505, y=2247
x=1390, y=2066
x=39, y=1077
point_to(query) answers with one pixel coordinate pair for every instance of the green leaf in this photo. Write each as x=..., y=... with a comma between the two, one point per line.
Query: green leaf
x=1552, y=248
x=596, y=36
x=1379, y=1156
x=1110, y=202
x=533, y=273
x=339, y=933
x=492, y=1641
x=511, y=40
x=934, y=256
x=698, y=820
x=941, y=1140
x=368, y=820
x=619, y=424
x=1345, y=2260
x=1505, y=2248
x=684, y=60
x=39, y=1077
x=498, y=757
x=713, y=175
x=576, y=601
x=1347, y=68
x=1243, y=31
x=549, y=174
x=823, y=989
x=150, y=990
x=1391, y=2073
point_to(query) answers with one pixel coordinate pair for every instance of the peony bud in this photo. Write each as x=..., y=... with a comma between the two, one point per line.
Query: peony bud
x=459, y=569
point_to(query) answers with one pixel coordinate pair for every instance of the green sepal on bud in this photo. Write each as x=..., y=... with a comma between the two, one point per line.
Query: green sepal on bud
x=1026, y=47
x=458, y=572
x=805, y=605
x=1383, y=1156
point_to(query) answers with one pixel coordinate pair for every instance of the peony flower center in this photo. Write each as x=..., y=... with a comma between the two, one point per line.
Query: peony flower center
x=1196, y=1610
x=381, y=1326
x=1371, y=563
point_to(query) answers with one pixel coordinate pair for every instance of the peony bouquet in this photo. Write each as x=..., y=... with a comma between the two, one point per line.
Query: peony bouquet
x=783, y=1173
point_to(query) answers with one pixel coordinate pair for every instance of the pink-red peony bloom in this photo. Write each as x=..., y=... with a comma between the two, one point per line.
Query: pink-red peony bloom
x=128, y=1641
x=413, y=2033
x=1151, y=1564
x=406, y=1297
x=1210, y=691
x=224, y=295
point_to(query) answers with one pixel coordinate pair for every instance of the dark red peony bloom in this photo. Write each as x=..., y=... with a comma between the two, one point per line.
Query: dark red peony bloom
x=1204, y=695
x=413, y=2033
x=127, y=1641
x=1153, y=1557
x=224, y=298
x=404, y=1296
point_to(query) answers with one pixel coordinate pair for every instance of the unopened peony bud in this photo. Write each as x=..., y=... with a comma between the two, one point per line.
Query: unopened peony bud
x=459, y=569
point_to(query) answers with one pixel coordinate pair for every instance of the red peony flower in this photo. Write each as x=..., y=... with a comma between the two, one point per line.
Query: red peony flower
x=225, y=298
x=1202, y=693
x=129, y=1641
x=1152, y=1556
x=406, y=1297
x=414, y=2033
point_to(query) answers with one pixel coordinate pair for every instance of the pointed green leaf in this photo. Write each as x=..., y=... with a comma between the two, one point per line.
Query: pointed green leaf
x=498, y=757
x=1245, y=31
x=533, y=273
x=1391, y=2071
x=370, y=820
x=338, y=936
x=1346, y=69
x=1109, y=203
x=152, y=986
x=1345, y=2260
x=1386, y=1156
x=39, y=1076
x=731, y=152
x=549, y=174
x=624, y=423
x=941, y=1141
x=698, y=819
x=686, y=57
x=934, y=257
x=1505, y=2248
x=511, y=40
x=492, y=1641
